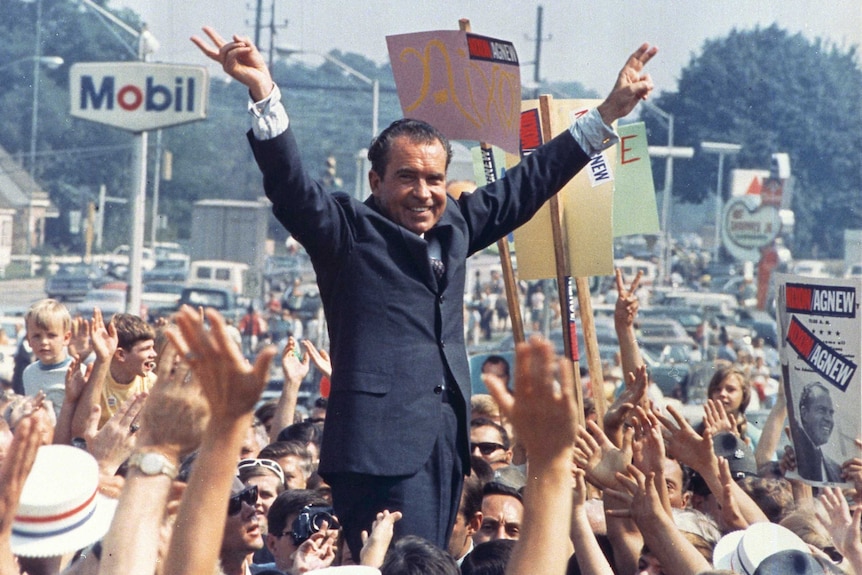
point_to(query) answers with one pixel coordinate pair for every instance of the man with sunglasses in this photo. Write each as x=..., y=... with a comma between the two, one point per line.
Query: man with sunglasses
x=242, y=530
x=490, y=441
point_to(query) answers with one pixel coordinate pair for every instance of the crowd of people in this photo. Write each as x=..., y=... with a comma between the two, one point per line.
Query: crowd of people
x=186, y=470
x=142, y=450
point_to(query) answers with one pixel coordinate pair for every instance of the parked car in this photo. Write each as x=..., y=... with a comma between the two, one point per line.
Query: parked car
x=160, y=298
x=109, y=301
x=73, y=281
x=218, y=297
x=170, y=268
x=654, y=333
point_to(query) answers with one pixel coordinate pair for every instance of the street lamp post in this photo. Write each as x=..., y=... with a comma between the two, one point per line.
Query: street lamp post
x=722, y=149
x=668, y=152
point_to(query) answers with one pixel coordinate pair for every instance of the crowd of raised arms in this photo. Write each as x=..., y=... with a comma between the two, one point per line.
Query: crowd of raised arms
x=193, y=473
x=141, y=450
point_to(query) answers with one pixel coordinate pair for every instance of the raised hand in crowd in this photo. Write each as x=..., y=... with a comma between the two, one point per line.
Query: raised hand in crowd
x=375, y=544
x=676, y=554
x=633, y=394
x=295, y=367
x=589, y=555
x=80, y=345
x=600, y=459
x=625, y=313
x=716, y=417
x=316, y=552
x=75, y=383
x=115, y=441
x=171, y=426
x=104, y=341
x=14, y=470
x=648, y=451
x=231, y=387
x=320, y=357
x=542, y=411
x=851, y=470
x=843, y=525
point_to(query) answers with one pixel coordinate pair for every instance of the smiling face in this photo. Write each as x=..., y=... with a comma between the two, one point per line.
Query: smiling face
x=412, y=191
x=729, y=392
x=817, y=417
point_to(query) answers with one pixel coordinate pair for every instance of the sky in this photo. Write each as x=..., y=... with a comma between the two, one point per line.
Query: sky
x=584, y=41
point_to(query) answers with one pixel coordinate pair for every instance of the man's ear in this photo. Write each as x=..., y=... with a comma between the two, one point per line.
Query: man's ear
x=374, y=181
x=120, y=354
x=269, y=540
x=475, y=523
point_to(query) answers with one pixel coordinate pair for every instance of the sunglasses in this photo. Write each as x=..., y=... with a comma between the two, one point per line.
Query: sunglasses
x=247, y=496
x=265, y=463
x=486, y=447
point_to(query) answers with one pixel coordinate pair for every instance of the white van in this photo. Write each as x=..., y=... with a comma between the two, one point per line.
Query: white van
x=219, y=272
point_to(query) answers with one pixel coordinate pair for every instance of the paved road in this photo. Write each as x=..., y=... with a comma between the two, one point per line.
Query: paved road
x=17, y=295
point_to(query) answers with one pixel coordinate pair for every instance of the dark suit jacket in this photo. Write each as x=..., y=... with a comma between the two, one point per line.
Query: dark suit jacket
x=396, y=334
x=810, y=460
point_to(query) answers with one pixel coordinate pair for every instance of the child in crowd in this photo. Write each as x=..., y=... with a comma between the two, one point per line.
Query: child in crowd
x=49, y=330
x=132, y=363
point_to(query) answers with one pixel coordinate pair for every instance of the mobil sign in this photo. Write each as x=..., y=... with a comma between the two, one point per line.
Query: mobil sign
x=138, y=96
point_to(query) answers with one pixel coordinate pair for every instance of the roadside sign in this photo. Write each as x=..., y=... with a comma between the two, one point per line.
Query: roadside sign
x=138, y=96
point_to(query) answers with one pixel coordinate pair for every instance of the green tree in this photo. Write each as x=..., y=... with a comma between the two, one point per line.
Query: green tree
x=771, y=91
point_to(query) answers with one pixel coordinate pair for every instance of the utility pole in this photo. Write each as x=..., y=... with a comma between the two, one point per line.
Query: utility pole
x=537, y=62
x=258, y=15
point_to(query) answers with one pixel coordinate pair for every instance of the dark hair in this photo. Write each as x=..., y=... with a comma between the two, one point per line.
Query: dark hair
x=485, y=422
x=289, y=503
x=497, y=360
x=416, y=131
x=773, y=496
x=131, y=329
x=266, y=411
x=412, y=555
x=488, y=558
x=304, y=432
x=471, y=496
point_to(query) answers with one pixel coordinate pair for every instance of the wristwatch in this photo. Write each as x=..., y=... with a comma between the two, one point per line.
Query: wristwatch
x=153, y=463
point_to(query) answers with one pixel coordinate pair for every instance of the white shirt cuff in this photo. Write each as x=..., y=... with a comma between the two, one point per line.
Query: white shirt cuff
x=269, y=118
x=592, y=134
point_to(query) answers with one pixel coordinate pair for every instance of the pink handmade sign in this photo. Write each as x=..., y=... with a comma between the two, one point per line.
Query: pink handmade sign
x=467, y=86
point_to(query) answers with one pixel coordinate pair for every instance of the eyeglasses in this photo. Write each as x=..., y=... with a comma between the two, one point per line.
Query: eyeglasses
x=247, y=496
x=265, y=463
x=486, y=447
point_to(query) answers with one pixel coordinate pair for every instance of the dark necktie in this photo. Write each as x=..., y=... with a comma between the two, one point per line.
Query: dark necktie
x=438, y=266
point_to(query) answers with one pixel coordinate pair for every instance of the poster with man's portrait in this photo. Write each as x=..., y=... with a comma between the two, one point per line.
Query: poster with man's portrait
x=821, y=346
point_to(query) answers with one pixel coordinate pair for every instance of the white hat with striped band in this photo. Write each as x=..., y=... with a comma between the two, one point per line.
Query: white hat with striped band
x=61, y=509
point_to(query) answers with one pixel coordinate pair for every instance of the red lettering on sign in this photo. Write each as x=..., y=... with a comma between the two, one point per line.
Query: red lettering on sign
x=531, y=134
x=624, y=149
x=798, y=297
x=799, y=338
x=479, y=47
x=136, y=95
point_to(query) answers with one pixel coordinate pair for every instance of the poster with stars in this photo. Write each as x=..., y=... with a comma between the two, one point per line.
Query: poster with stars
x=820, y=348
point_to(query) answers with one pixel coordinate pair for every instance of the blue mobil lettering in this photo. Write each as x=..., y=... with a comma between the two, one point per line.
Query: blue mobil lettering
x=130, y=97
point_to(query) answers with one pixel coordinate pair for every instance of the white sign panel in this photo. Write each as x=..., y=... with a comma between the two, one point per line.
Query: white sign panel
x=138, y=96
x=821, y=351
x=747, y=226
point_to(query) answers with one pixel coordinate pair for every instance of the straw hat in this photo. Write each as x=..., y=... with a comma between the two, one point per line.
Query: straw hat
x=744, y=551
x=61, y=509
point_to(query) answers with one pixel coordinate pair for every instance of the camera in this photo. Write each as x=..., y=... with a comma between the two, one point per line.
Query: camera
x=310, y=520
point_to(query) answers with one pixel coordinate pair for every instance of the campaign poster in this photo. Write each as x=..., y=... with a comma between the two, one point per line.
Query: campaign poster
x=466, y=85
x=820, y=351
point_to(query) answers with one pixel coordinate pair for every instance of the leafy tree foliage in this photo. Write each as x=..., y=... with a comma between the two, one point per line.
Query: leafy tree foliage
x=771, y=91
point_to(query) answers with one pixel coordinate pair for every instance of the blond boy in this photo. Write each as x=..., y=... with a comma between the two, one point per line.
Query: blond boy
x=49, y=330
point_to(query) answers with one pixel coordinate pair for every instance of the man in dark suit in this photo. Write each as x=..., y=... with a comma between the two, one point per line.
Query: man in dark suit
x=391, y=272
x=812, y=432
